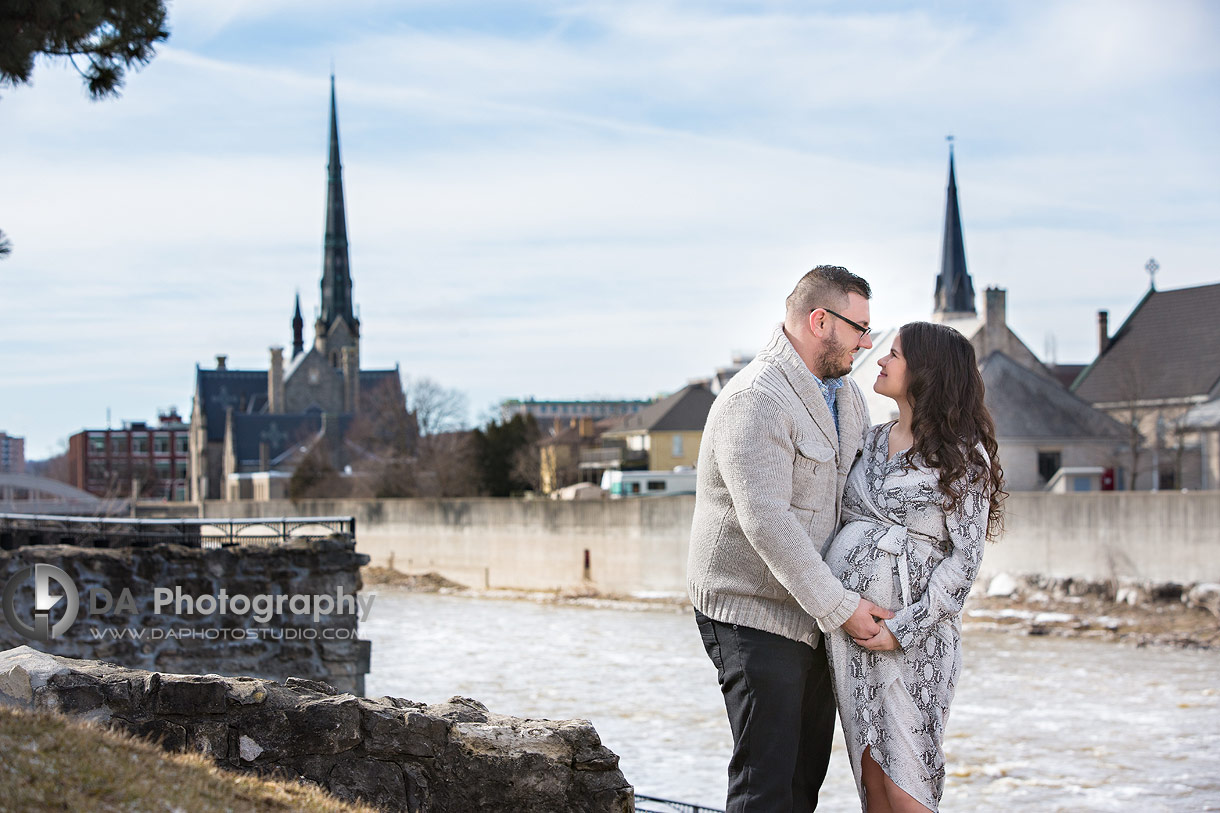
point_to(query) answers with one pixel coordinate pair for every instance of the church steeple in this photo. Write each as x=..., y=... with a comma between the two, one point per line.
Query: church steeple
x=336, y=273
x=298, y=330
x=954, y=289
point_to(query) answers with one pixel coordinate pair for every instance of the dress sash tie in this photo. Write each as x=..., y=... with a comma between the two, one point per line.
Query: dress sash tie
x=898, y=540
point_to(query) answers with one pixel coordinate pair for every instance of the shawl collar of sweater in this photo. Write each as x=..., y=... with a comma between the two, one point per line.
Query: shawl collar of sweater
x=780, y=352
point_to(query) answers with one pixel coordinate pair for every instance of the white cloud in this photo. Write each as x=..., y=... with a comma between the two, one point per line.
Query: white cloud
x=596, y=198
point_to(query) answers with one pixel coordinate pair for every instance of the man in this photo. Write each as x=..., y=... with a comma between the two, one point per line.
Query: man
x=778, y=444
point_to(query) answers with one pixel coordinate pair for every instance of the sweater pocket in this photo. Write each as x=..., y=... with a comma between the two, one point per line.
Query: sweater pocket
x=811, y=467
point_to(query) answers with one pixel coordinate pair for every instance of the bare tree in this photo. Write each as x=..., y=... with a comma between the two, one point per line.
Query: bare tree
x=447, y=465
x=436, y=408
x=382, y=444
x=1133, y=409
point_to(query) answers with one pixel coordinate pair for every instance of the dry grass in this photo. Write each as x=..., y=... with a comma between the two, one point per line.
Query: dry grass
x=51, y=762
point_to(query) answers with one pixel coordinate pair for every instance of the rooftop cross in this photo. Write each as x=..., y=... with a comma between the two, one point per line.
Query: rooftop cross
x=1152, y=266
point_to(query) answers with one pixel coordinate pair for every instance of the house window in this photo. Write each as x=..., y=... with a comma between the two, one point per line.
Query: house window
x=118, y=444
x=1048, y=464
x=161, y=444
x=180, y=469
x=656, y=485
x=182, y=443
x=97, y=444
x=162, y=469
x=677, y=444
x=139, y=444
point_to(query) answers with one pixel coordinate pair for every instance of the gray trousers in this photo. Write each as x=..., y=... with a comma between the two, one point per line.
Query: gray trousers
x=781, y=710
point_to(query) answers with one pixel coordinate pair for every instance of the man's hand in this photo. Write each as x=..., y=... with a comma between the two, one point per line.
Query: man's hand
x=862, y=625
x=884, y=640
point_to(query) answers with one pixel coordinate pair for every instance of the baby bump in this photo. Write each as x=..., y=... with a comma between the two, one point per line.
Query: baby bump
x=857, y=562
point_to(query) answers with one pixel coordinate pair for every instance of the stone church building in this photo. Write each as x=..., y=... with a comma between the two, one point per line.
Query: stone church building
x=249, y=428
x=1041, y=426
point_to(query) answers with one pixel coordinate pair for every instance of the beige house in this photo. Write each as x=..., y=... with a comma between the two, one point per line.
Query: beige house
x=664, y=435
x=559, y=454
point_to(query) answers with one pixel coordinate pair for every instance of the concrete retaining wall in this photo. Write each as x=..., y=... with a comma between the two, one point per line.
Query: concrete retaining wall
x=641, y=544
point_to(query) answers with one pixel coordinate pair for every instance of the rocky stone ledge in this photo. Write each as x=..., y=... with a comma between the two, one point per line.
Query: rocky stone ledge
x=392, y=753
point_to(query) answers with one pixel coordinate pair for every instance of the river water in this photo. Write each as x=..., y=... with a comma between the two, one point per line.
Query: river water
x=1038, y=724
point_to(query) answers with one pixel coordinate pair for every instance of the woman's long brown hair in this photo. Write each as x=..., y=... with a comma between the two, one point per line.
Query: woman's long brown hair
x=949, y=418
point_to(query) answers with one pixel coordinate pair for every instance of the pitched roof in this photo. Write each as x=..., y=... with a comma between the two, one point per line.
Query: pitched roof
x=282, y=433
x=243, y=390
x=685, y=410
x=1169, y=347
x=1024, y=404
x=1065, y=374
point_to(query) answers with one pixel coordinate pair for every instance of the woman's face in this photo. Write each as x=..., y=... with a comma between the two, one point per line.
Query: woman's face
x=892, y=380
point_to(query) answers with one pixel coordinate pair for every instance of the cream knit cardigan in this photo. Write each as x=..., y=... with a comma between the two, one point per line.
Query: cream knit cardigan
x=770, y=479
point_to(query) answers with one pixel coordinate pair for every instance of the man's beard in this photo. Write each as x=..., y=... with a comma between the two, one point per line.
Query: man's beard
x=830, y=363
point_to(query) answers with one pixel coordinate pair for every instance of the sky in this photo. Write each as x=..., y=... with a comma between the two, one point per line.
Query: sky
x=588, y=199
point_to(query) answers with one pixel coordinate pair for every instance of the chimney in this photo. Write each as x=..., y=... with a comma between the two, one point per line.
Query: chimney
x=264, y=456
x=1103, y=331
x=586, y=427
x=220, y=362
x=995, y=319
x=997, y=305
x=275, y=382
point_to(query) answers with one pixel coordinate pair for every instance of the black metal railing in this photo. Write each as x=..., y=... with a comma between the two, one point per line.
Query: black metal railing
x=653, y=804
x=20, y=530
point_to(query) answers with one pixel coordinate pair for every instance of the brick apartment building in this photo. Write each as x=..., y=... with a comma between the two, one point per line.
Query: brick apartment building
x=12, y=454
x=107, y=462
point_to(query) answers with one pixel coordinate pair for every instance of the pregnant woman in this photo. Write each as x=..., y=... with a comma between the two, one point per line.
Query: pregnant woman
x=919, y=503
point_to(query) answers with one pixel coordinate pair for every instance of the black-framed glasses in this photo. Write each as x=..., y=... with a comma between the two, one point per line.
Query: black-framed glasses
x=864, y=331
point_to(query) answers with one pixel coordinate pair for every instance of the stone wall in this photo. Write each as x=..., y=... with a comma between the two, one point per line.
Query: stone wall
x=641, y=544
x=392, y=753
x=119, y=620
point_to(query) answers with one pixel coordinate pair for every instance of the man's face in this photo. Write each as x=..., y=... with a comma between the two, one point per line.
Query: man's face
x=840, y=345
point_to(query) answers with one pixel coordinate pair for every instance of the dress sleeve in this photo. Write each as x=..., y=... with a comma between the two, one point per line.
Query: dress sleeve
x=953, y=577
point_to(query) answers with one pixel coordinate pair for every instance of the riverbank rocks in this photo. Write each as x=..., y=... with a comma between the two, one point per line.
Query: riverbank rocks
x=392, y=753
x=1207, y=596
x=1002, y=584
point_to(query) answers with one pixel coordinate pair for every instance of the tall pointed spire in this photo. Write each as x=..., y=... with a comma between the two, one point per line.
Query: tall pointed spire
x=336, y=273
x=954, y=289
x=298, y=330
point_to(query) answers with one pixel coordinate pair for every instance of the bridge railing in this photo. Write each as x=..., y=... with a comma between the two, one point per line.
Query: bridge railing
x=19, y=530
x=652, y=804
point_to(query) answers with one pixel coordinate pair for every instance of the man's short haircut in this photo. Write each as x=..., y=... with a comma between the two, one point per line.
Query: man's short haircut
x=826, y=286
